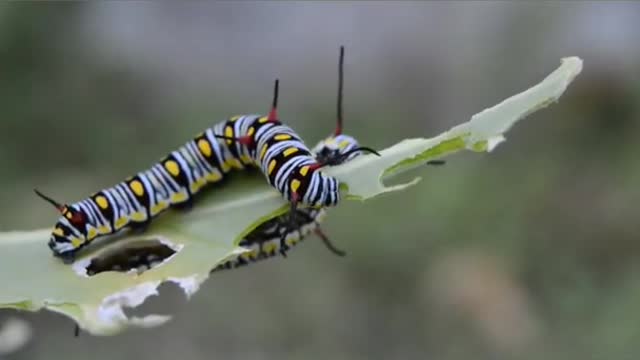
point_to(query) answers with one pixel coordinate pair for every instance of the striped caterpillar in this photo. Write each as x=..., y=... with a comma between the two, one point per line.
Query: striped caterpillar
x=279, y=235
x=240, y=142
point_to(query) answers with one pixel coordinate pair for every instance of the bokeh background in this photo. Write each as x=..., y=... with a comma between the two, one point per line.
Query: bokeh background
x=529, y=252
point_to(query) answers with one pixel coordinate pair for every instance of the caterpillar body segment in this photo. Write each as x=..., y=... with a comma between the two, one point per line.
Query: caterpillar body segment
x=265, y=241
x=172, y=182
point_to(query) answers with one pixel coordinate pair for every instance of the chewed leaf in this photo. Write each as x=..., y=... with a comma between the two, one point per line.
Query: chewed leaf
x=182, y=247
x=482, y=133
x=197, y=240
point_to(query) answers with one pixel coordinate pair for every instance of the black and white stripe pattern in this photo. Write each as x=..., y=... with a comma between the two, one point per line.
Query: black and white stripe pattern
x=172, y=182
x=265, y=241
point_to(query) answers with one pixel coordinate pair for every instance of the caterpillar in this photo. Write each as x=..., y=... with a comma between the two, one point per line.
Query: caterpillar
x=171, y=183
x=235, y=144
x=282, y=233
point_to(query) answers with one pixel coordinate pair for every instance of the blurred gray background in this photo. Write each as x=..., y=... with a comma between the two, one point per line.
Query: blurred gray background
x=529, y=252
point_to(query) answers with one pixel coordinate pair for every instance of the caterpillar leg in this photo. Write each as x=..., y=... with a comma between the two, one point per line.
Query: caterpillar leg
x=67, y=258
x=140, y=227
x=328, y=243
x=184, y=206
x=291, y=224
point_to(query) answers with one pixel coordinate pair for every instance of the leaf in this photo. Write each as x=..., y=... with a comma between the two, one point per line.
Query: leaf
x=203, y=237
x=482, y=133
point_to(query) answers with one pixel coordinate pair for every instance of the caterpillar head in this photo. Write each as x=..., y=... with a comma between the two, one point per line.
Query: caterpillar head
x=336, y=149
x=69, y=232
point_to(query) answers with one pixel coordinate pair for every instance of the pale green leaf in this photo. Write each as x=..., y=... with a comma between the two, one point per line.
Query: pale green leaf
x=32, y=279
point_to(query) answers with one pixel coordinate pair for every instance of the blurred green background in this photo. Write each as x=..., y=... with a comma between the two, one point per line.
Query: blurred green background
x=529, y=252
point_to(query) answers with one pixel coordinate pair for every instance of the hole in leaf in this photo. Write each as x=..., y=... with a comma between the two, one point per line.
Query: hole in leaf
x=139, y=257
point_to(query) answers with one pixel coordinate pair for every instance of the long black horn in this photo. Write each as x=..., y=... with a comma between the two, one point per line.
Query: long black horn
x=361, y=148
x=56, y=204
x=340, y=87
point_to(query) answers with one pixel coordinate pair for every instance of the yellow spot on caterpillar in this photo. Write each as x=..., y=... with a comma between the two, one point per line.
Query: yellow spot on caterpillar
x=263, y=120
x=263, y=151
x=120, y=223
x=282, y=137
x=272, y=165
x=172, y=167
x=214, y=177
x=178, y=197
x=196, y=186
x=330, y=141
x=228, y=132
x=236, y=163
x=290, y=151
x=251, y=131
x=102, y=202
x=68, y=215
x=104, y=229
x=245, y=159
x=91, y=233
x=136, y=187
x=225, y=167
x=343, y=144
x=205, y=147
x=139, y=216
x=295, y=184
x=304, y=170
x=234, y=118
x=155, y=209
x=290, y=241
x=254, y=254
x=269, y=247
x=245, y=256
x=58, y=231
x=76, y=242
